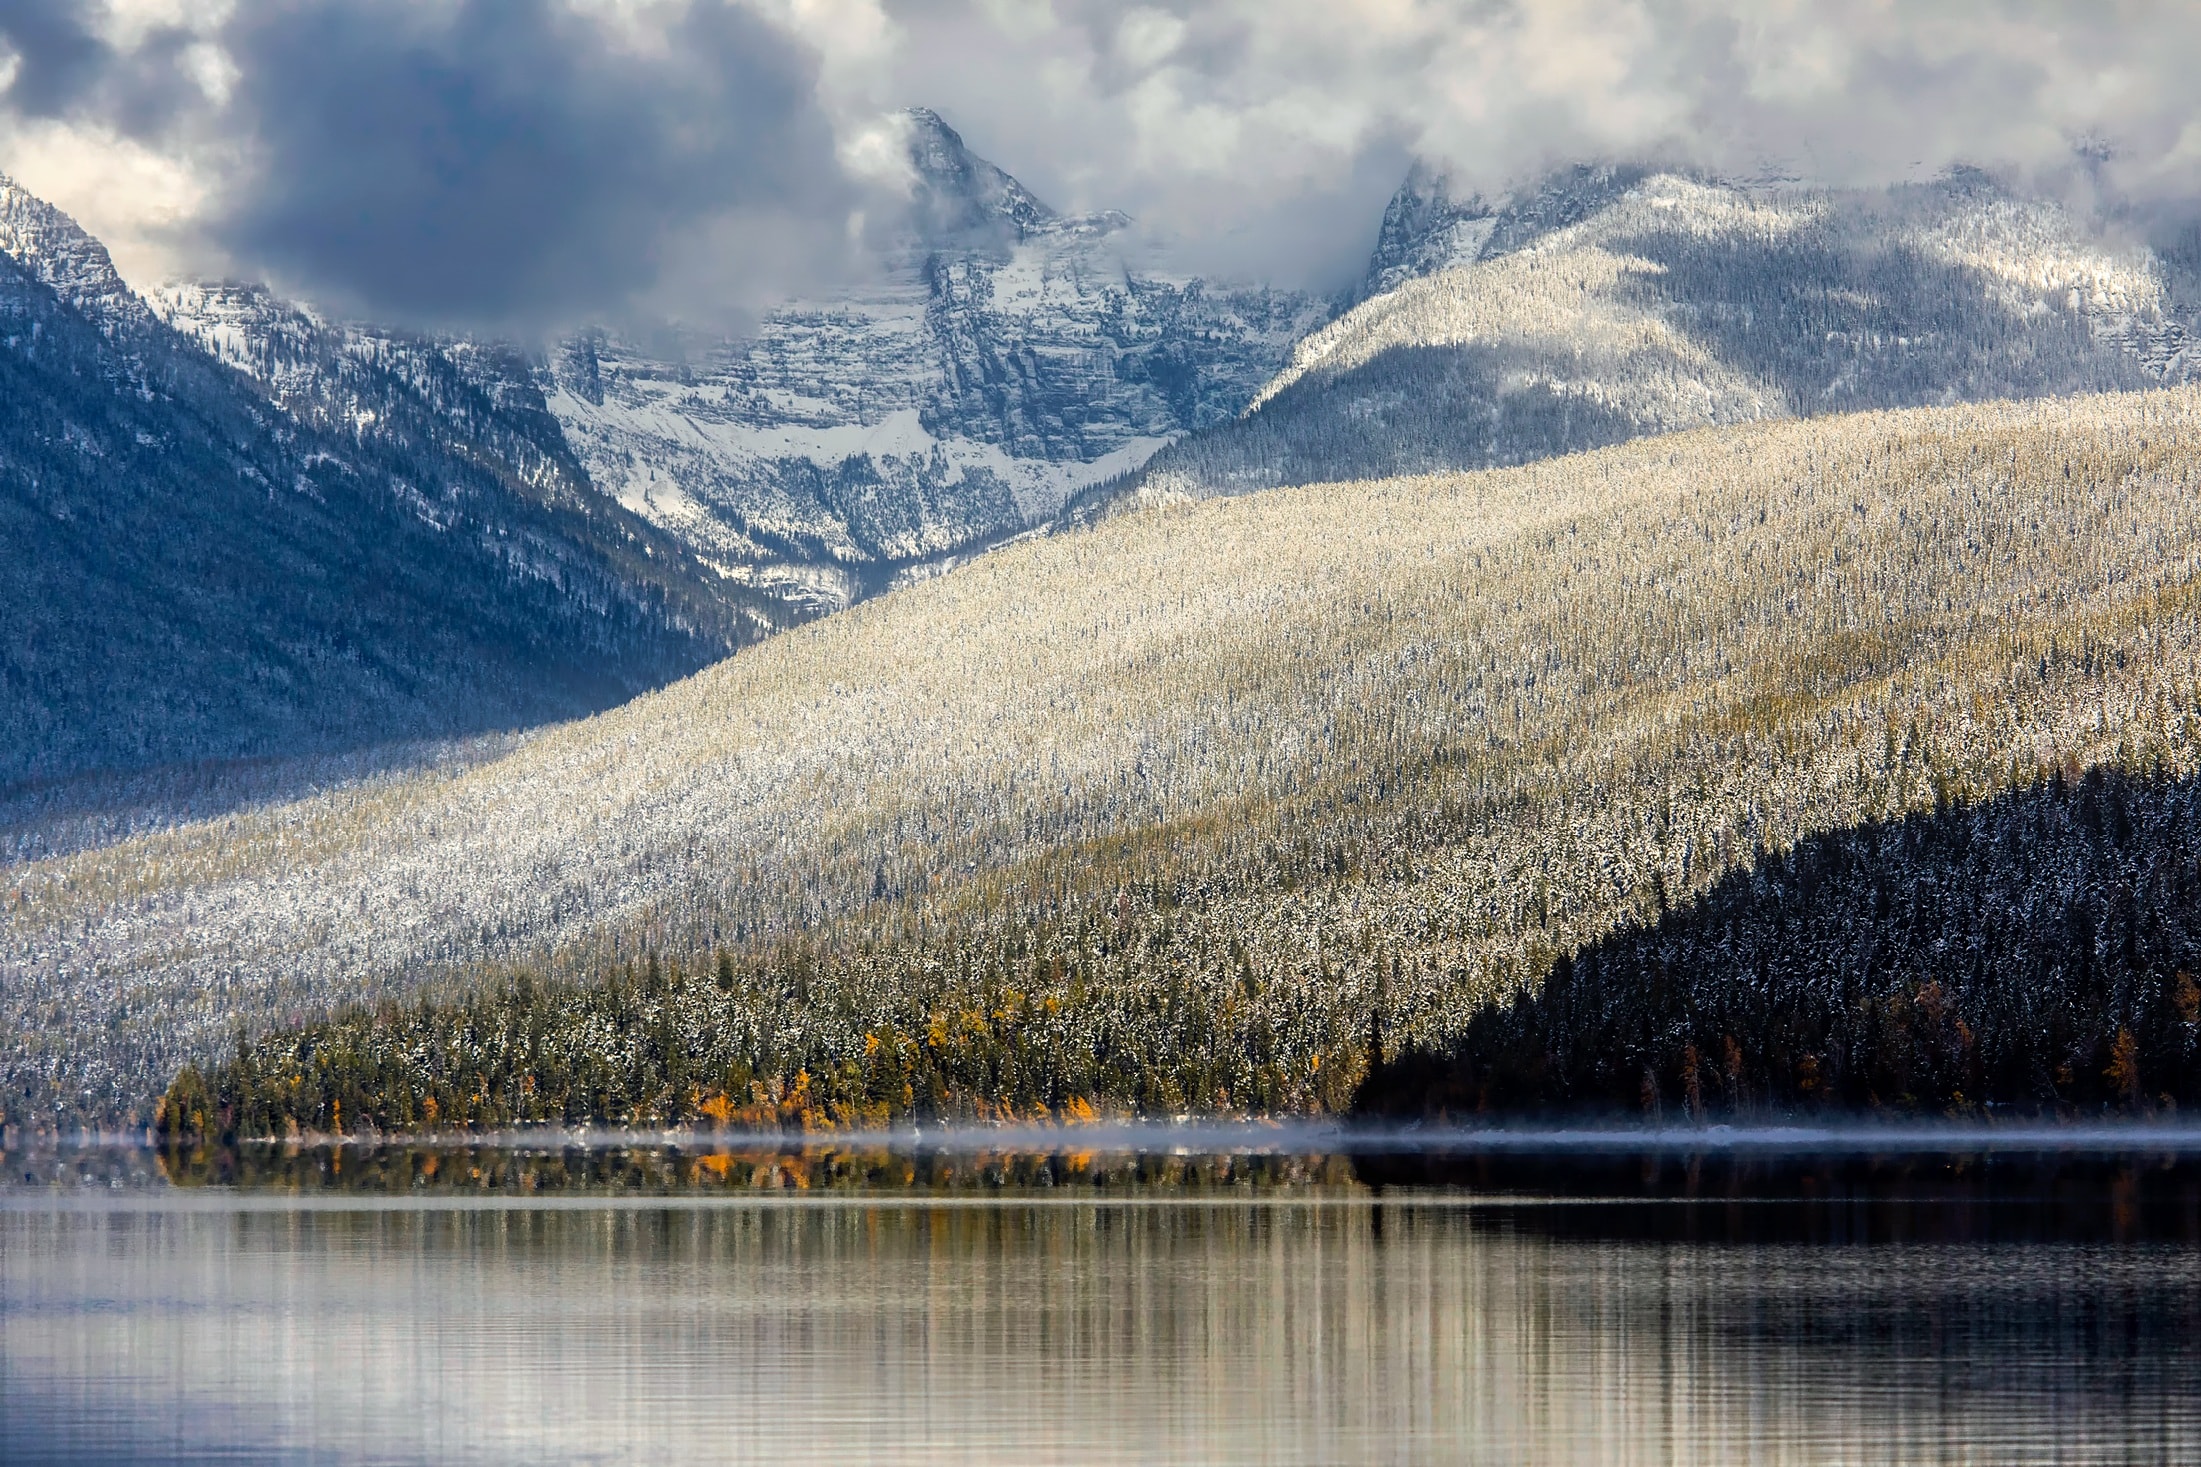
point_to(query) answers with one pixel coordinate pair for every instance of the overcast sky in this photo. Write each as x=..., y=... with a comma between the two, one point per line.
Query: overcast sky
x=531, y=163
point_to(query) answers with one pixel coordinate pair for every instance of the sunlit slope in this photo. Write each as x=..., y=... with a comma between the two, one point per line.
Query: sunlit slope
x=1232, y=759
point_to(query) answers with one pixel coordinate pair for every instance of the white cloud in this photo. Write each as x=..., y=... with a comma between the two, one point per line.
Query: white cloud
x=1204, y=115
x=143, y=202
x=1262, y=135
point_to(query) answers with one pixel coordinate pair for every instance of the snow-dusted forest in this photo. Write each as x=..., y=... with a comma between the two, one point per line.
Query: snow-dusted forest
x=1191, y=810
x=2034, y=951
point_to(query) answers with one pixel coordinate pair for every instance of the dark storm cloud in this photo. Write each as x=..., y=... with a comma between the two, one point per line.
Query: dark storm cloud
x=508, y=161
x=533, y=162
x=63, y=67
x=58, y=58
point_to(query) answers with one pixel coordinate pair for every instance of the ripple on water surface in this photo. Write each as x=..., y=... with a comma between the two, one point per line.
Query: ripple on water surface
x=1251, y=1299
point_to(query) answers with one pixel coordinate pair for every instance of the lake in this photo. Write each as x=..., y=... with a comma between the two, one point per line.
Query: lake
x=1256, y=1296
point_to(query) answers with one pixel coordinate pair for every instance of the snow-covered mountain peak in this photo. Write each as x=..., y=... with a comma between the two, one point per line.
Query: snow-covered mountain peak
x=1004, y=359
x=58, y=252
x=1609, y=301
x=961, y=198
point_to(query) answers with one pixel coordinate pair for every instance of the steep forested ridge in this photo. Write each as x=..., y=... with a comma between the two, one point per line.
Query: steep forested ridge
x=194, y=572
x=1208, y=807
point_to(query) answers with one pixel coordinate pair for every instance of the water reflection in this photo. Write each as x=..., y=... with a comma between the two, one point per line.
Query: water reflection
x=1316, y=1308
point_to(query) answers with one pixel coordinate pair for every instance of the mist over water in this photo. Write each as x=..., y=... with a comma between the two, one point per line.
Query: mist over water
x=1157, y=1296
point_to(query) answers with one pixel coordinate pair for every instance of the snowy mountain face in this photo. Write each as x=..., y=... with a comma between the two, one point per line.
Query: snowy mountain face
x=44, y=247
x=1608, y=303
x=202, y=565
x=462, y=429
x=1004, y=358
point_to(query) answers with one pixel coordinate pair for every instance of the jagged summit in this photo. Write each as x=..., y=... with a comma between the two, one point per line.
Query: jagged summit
x=1429, y=227
x=1005, y=358
x=962, y=199
x=1425, y=230
x=960, y=194
x=61, y=255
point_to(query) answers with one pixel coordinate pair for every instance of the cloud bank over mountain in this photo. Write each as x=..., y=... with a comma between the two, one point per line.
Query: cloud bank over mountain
x=533, y=161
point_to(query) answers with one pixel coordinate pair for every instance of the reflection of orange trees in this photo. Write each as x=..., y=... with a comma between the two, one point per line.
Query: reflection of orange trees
x=825, y=1166
x=2123, y=1071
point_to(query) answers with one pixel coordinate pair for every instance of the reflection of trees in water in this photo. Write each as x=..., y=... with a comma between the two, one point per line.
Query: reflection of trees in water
x=1216, y=1332
x=738, y=1167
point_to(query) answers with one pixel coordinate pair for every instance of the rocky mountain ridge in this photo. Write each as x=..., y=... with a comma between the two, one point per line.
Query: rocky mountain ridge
x=1003, y=357
x=199, y=569
x=1608, y=302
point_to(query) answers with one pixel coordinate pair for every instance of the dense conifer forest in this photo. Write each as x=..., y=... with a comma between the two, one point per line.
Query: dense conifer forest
x=1215, y=808
x=2034, y=952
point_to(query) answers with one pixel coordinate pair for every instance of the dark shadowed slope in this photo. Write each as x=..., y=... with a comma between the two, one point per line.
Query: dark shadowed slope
x=2036, y=950
x=191, y=572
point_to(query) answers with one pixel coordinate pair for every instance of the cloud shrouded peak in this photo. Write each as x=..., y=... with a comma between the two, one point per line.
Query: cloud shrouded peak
x=957, y=192
x=544, y=160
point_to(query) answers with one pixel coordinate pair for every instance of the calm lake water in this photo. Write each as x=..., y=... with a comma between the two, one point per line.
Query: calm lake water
x=931, y=1303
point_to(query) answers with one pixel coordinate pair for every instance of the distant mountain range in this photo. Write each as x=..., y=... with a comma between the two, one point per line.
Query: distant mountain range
x=1609, y=302
x=242, y=528
x=246, y=529
x=1003, y=357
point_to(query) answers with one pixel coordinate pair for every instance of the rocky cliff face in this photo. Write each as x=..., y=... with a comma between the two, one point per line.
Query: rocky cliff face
x=1005, y=357
x=1427, y=229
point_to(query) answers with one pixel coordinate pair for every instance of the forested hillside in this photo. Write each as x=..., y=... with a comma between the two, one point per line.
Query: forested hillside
x=2036, y=950
x=1194, y=807
x=193, y=572
x=1609, y=303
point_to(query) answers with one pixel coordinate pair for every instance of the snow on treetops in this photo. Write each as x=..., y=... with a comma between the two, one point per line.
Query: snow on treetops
x=1221, y=770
